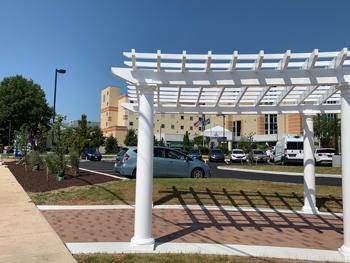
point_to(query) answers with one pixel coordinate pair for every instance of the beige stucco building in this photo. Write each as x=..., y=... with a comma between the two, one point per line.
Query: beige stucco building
x=116, y=120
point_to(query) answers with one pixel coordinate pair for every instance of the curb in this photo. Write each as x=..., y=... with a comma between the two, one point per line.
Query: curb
x=274, y=172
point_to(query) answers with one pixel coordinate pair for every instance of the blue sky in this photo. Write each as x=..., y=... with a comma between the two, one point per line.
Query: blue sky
x=88, y=37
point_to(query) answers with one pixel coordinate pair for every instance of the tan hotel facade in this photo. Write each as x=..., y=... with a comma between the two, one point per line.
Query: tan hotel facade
x=115, y=121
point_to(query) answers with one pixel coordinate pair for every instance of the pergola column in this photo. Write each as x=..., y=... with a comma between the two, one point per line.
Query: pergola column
x=309, y=165
x=345, y=146
x=144, y=173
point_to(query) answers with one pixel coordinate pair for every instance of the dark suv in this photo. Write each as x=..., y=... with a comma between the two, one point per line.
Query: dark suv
x=91, y=154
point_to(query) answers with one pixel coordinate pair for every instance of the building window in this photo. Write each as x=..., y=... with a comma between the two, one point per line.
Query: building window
x=270, y=123
x=131, y=123
x=109, y=118
x=182, y=117
x=331, y=116
x=125, y=117
x=106, y=124
x=236, y=128
x=181, y=127
x=106, y=113
x=191, y=118
x=191, y=128
x=162, y=126
x=199, y=128
x=172, y=126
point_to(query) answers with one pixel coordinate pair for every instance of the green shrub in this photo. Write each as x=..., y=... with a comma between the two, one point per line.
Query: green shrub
x=204, y=150
x=74, y=161
x=35, y=160
x=52, y=162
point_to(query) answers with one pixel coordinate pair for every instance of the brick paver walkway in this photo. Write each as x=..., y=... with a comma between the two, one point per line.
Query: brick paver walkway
x=202, y=226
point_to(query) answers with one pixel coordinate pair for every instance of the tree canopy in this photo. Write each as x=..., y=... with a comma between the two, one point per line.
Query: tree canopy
x=130, y=138
x=22, y=102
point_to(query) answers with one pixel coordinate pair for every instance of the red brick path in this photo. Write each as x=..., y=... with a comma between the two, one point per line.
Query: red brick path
x=202, y=226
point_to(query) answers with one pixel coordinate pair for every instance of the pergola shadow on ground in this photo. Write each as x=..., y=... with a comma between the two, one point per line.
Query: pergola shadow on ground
x=248, y=199
x=305, y=83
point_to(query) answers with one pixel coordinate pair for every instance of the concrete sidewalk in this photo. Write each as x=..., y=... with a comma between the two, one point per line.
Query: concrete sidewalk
x=25, y=235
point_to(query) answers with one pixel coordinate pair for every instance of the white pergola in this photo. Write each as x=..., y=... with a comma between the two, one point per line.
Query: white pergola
x=305, y=83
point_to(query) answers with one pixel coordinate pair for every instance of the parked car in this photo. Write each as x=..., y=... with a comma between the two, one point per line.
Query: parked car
x=324, y=155
x=195, y=154
x=238, y=155
x=119, y=158
x=91, y=154
x=216, y=155
x=289, y=149
x=260, y=156
x=167, y=163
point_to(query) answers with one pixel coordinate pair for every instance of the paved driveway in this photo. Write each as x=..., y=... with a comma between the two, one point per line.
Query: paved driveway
x=107, y=167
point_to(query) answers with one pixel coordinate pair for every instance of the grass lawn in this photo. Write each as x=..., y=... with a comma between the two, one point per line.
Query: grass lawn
x=287, y=168
x=237, y=192
x=174, y=258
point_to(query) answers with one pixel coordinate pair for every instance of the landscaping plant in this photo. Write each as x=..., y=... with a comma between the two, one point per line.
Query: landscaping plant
x=74, y=161
x=51, y=161
x=59, y=147
x=35, y=160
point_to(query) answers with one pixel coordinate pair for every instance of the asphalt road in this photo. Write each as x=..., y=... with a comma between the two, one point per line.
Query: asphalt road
x=107, y=167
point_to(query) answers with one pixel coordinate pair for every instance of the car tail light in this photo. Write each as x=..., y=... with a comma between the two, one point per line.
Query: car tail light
x=126, y=157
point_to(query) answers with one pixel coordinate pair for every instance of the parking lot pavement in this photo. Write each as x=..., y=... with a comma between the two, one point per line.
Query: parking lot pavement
x=107, y=167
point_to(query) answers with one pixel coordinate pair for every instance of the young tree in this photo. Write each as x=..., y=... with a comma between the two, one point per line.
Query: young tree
x=130, y=138
x=58, y=144
x=327, y=130
x=247, y=144
x=95, y=137
x=186, y=142
x=111, y=144
x=22, y=102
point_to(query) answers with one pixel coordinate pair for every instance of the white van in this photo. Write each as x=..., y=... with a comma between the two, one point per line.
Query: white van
x=290, y=149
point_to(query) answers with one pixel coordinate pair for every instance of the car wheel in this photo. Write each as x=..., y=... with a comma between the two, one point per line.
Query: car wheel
x=197, y=173
x=133, y=175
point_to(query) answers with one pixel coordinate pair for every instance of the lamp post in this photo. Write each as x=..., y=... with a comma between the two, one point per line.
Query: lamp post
x=62, y=71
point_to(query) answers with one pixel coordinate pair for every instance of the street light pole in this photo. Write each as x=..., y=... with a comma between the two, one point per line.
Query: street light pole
x=62, y=71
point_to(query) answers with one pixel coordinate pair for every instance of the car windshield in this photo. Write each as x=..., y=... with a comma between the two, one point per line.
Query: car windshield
x=91, y=151
x=325, y=151
x=237, y=152
x=295, y=145
x=258, y=152
x=194, y=152
x=216, y=151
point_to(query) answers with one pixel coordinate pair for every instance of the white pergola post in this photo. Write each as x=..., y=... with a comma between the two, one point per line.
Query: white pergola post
x=309, y=166
x=345, y=146
x=144, y=174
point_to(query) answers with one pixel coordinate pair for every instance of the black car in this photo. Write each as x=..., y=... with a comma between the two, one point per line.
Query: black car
x=91, y=154
x=216, y=156
x=195, y=154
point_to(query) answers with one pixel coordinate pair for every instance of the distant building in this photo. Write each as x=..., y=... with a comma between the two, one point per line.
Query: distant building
x=116, y=120
x=75, y=124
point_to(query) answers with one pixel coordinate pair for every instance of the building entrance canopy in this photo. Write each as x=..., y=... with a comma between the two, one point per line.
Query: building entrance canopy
x=305, y=83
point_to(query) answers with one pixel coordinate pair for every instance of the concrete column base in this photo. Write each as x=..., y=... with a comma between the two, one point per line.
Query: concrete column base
x=142, y=244
x=310, y=210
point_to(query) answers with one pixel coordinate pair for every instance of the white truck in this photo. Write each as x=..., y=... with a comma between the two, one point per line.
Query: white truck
x=289, y=149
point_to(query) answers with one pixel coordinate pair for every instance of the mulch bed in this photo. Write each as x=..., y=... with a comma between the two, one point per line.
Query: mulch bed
x=37, y=181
